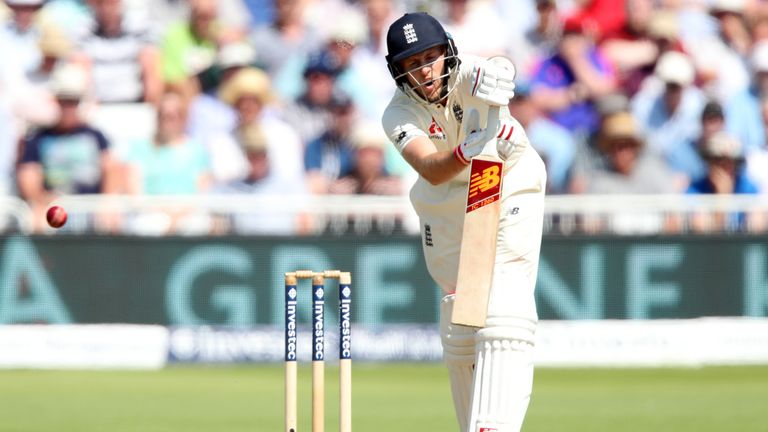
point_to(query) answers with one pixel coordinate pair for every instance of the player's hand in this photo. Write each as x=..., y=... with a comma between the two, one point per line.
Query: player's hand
x=493, y=84
x=471, y=147
x=507, y=138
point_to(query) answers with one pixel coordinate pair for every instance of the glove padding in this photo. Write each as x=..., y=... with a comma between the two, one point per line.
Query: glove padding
x=493, y=84
x=471, y=147
x=507, y=138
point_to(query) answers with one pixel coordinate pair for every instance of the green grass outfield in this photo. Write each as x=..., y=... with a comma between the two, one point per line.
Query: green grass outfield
x=387, y=398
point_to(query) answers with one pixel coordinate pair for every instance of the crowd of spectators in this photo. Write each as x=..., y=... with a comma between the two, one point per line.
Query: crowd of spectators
x=159, y=97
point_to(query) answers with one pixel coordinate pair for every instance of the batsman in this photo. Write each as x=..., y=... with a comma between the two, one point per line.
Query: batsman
x=447, y=111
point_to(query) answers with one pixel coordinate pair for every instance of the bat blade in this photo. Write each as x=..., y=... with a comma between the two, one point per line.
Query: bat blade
x=480, y=230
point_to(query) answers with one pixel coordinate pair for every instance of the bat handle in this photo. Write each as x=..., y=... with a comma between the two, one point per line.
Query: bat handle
x=492, y=125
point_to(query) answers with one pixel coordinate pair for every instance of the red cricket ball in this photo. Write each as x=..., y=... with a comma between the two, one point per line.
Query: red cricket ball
x=56, y=216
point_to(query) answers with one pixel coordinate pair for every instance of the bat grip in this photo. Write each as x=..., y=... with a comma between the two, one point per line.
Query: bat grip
x=492, y=126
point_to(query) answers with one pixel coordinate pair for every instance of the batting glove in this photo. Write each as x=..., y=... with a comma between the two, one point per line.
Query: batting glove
x=471, y=147
x=507, y=138
x=493, y=84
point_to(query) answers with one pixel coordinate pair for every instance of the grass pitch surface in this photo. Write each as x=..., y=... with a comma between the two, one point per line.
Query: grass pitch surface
x=387, y=398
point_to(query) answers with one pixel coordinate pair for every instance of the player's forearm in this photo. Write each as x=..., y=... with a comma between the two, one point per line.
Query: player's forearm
x=436, y=167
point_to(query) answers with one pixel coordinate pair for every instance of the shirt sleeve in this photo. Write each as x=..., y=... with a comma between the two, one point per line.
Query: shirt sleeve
x=101, y=140
x=31, y=149
x=401, y=128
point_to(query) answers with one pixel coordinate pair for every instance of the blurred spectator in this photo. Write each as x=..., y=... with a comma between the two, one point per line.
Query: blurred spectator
x=646, y=35
x=19, y=39
x=233, y=15
x=286, y=41
x=759, y=28
x=123, y=60
x=725, y=175
x=8, y=150
x=588, y=156
x=367, y=58
x=725, y=168
x=32, y=102
x=566, y=84
x=341, y=42
x=629, y=167
x=529, y=48
x=208, y=114
x=685, y=158
x=734, y=29
x=552, y=141
x=249, y=92
x=68, y=158
x=75, y=17
x=55, y=49
x=262, y=11
x=668, y=106
x=721, y=58
x=263, y=178
x=743, y=110
x=189, y=47
x=310, y=114
x=169, y=163
x=598, y=18
x=369, y=176
x=757, y=159
x=331, y=155
x=471, y=22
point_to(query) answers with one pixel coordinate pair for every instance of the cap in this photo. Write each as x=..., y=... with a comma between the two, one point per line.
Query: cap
x=69, y=82
x=759, y=58
x=617, y=126
x=664, y=25
x=322, y=62
x=712, y=109
x=675, y=67
x=722, y=145
x=253, y=139
x=34, y=3
x=235, y=54
x=53, y=42
x=249, y=81
x=413, y=33
x=729, y=6
x=350, y=27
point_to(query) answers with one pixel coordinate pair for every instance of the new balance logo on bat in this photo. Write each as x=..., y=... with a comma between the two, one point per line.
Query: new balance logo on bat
x=484, y=183
x=481, y=182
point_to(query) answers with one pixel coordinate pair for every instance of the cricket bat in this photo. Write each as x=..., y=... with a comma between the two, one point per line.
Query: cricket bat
x=481, y=223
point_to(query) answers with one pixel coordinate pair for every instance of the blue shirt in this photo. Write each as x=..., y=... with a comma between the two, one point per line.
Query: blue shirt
x=333, y=157
x=743, y=119
x=743, y=185
x=685, y=158
x=557, y=147
x=665, y=130
x=71, y=160
x=169, y=169
x=554, y=73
